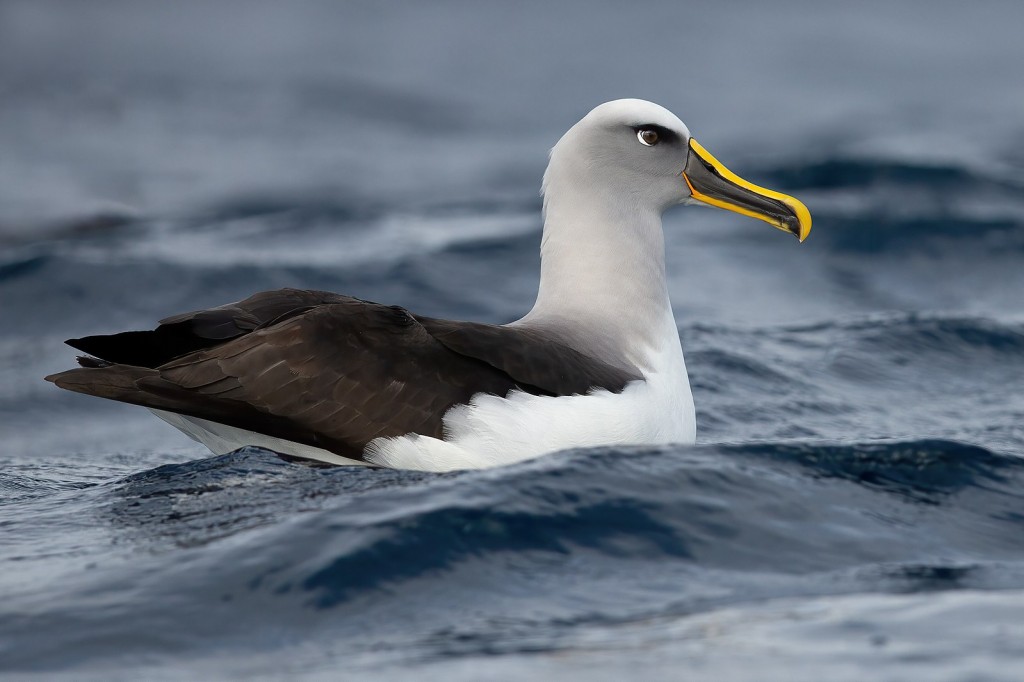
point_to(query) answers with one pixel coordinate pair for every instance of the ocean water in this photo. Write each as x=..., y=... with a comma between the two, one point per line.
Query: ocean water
x=854, y=508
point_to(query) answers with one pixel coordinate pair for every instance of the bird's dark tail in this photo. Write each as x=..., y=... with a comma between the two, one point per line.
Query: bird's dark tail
x=91, y=362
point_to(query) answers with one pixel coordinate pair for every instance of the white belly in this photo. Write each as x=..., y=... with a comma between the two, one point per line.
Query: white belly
x=222, y=439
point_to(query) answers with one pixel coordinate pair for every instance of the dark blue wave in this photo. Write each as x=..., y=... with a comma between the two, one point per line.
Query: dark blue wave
x=877, y=231
x=863, y=174
x=904, y=205
x=952, y=336
x=279, y=542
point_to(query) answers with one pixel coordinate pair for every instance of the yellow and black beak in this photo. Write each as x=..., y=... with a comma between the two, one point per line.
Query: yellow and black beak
x=713, y=184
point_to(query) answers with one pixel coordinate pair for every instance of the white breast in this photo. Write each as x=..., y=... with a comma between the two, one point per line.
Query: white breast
x=493, y=431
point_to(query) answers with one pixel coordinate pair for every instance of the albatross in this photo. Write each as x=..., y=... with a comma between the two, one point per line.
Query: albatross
x=597, y=360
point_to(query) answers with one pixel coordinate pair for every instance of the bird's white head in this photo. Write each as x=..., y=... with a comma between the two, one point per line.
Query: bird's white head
x=640, y=156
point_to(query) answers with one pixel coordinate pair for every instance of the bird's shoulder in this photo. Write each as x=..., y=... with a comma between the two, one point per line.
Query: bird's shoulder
x=532, y=357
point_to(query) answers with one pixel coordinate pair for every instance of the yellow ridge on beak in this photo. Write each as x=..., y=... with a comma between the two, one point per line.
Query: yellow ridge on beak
x=713, y=184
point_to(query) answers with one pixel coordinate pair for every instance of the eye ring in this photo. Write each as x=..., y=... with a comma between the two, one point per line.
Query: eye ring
x=648, y=137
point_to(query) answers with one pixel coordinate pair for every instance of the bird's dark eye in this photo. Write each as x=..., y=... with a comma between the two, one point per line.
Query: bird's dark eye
x=647, y=136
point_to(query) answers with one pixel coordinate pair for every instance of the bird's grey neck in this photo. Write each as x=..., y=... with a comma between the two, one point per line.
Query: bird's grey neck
x=602, y=284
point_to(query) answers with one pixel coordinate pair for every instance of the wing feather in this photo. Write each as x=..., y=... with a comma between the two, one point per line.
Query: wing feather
x=327, y=370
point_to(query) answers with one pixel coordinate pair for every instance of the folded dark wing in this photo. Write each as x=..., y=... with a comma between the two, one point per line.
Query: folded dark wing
x=327, y=370
x=335, y=376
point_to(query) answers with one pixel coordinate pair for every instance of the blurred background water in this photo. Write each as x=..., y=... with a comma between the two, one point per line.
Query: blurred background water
x=854, y=507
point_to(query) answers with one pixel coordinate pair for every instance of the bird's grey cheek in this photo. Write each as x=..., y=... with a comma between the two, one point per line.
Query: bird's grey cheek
x=680, y=192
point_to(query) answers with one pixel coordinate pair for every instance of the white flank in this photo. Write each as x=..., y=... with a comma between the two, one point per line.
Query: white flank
x=493, y=431
x=222, y=439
